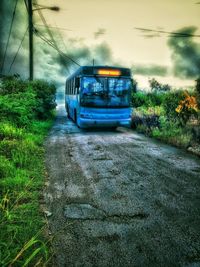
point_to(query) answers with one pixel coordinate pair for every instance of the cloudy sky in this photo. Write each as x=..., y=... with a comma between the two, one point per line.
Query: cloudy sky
x=106, y=31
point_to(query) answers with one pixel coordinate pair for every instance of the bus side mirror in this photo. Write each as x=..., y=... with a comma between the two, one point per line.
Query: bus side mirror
x=77, y=82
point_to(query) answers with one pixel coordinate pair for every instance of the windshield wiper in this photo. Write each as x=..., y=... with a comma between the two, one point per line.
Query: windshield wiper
x=99, y=93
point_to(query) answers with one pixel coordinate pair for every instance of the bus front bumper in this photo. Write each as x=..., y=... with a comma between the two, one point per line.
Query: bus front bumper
x=84, y=122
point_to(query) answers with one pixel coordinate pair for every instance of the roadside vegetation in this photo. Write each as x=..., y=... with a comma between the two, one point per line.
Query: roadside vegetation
x=26, y=114
x=170, y=115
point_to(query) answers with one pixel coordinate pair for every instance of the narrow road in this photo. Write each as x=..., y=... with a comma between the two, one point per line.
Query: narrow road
x=118, y=198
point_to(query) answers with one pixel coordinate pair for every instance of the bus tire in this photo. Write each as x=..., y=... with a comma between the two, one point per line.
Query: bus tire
x=75, y=116
x=113, y=128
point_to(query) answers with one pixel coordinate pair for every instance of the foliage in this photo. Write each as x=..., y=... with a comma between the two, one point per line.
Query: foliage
x=172, y=116
x=22, y=101
x=187, y=107
x=158, y=87
x=45, y=96
x=170, y=103
x=139, y=99
x=197, y=89
x=146, y=99
x=22, y=131
x=172, y=132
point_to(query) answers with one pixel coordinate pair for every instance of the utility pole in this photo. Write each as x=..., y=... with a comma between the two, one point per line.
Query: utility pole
x=30, y=24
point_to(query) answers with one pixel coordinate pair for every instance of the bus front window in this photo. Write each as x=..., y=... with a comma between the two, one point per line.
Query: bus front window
x=105, y=92
x=93, y=91
x=119, y=91
x=93, y=86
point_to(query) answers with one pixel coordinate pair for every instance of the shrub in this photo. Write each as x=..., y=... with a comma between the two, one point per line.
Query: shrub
x=18, y=108
x=170, y=102
x=155, y=99
x=21, y=101
x=197, y=90
x=147, y=99
x=45, y=96
x=187, y=107
x=139, y=99
x=12, y=85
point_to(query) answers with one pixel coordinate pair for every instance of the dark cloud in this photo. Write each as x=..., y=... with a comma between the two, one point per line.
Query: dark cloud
x=150, y=70
x=185, y=53
x=103, y=54
x=48, y=63
x=99, y=32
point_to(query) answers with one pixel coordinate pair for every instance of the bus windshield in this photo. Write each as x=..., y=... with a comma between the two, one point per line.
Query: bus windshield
x=105, y=92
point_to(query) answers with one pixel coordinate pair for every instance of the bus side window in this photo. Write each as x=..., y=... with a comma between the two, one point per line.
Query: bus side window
x=74, y=86
x=68, y=87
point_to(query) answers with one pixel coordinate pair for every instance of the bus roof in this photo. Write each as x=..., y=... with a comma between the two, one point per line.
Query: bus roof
x=93, y=70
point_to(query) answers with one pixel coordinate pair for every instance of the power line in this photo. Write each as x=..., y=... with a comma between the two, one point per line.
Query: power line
x=61, y=38
x=26, y=5
x=18, y=50
x=176, y=34
x=53, y=27
x=37, y=33
x=52, y=45
x=47, y=28
x=53, y=41
x=10, y=30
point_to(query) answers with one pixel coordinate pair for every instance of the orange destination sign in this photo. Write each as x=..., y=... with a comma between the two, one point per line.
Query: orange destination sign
x=109, y=72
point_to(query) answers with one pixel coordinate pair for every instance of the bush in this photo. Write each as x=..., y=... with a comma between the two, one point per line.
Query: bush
x=139, y=99
x=155, y=99
x=12, y=85
x=147, y=99
x=45, y=96
x=18, y=108
x=170, y=102
x=21, y=102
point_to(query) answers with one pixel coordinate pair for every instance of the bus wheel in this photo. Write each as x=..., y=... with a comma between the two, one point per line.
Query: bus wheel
x=75, y=116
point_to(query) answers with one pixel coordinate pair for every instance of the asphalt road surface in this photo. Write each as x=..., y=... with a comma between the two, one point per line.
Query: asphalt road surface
x=117, y=198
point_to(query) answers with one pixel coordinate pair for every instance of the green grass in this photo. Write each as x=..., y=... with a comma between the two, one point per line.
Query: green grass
x=22, y=175
x=178, y=137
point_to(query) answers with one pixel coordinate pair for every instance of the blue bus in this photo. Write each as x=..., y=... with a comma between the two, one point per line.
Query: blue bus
x=99, y=96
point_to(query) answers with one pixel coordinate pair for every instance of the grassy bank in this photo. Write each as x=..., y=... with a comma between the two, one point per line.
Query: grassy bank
x=172, y=116
x=26, y=116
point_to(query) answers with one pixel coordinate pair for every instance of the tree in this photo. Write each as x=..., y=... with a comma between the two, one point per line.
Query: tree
x=158, y=87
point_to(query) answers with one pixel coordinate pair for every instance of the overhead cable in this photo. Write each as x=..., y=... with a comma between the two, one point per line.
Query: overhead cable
x=57, y=49
x=10, y=30
x=18, y=50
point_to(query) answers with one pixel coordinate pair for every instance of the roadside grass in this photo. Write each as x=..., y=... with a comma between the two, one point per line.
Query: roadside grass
x=166, y=131
x=26, y=115
x=173, y=134
x=21, y=179
x=172, y=117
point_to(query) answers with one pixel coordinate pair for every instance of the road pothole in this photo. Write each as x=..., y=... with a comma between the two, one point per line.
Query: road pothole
x=83, y=211
x=88, y=212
